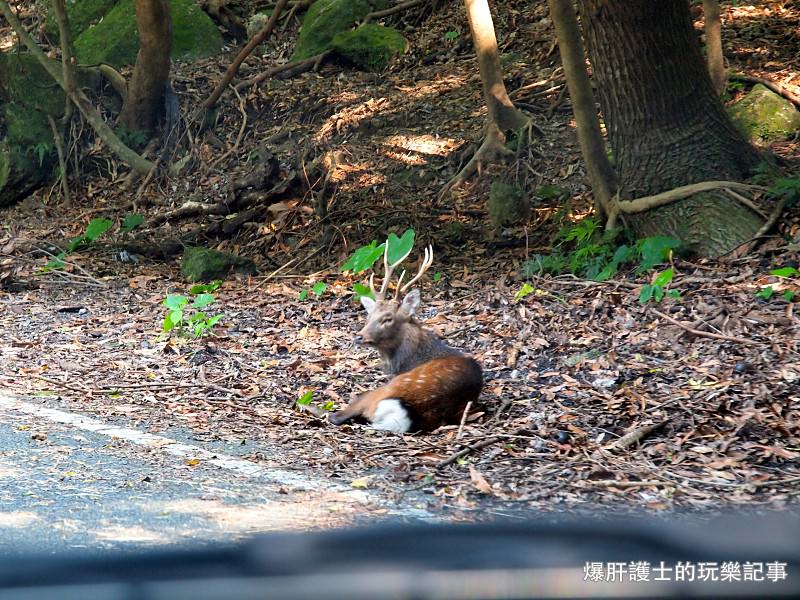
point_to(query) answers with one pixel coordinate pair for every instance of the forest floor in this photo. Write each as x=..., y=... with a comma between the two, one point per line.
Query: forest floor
x=710, y=382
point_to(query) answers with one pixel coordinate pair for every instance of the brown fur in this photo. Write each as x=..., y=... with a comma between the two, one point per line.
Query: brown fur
x=434, y=393
x=403, y=343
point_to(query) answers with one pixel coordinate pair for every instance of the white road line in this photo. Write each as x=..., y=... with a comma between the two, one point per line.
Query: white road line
x=168, y=445
x=238, y=466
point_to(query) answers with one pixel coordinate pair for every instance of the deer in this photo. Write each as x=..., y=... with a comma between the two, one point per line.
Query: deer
x=432, y=383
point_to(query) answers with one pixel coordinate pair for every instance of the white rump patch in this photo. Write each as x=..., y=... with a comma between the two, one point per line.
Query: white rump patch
x=391, y=415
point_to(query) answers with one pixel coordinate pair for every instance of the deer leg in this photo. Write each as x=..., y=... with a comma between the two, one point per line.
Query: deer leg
x=351, y=411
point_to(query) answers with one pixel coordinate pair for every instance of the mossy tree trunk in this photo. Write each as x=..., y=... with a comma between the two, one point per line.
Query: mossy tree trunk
x=144, y=103
x=665, y=123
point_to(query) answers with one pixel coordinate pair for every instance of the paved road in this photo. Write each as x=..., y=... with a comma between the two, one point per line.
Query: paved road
x=68, y=481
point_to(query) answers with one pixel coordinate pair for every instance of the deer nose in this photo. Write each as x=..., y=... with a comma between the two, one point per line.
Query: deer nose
x=359, y=339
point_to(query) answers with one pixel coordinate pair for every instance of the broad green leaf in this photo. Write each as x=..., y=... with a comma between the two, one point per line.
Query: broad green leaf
x=437, y=276
x=168, y=323
x=57, y=262
x=329, y=405
x=196, y=317
x=302, y=295
x=363, y=258
x=765, y=293
x=663, y=279
x=785, y=272
x=175, y=301
x=96, y=228
x=646, y=293
x=214, y=320
x=203, y=300
x=658, y=293
x=789, y=295
x=399, y=247
x=359, y=289
x=526, y=289
x=319, y=288
x=306, y=398
x=656, y=250
x=203, y=288
x=131, y=222
x=674, y=294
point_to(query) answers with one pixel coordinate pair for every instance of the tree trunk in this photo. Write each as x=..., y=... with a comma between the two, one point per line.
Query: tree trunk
x=665, y=123
x=501, y=110
x=144, y=104
x=714, y=56
x=584, y=107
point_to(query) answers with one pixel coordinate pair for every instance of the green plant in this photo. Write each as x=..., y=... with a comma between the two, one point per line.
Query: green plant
x=179, y=316
x=308, y=397
x=94, y=230
x=317, y=289
x=525, y=290
x=586, y=250
x=41, y=151
x=657, y=288
x=365, y=257
x=790, y=274
x=131, y=222
x=450, y=36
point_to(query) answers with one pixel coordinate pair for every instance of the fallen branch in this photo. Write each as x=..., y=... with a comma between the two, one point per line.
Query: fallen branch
x=775, y=87
x=630, y=438
x=259, y=38
x=469, y=448
x=607, y=483
x=288, y=69
x=699, y=333
x=62, y=160
x=379, y=14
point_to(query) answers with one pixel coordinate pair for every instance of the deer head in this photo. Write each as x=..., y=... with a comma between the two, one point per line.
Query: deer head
x=387, y=319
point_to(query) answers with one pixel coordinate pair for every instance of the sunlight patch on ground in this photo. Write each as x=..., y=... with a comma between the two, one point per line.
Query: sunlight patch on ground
x=119, y=533
x=325, y=509
x=416, y=145
x=430, y=88
x=17, y=519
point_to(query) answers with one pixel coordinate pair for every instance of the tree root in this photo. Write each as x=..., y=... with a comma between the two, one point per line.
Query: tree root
x=639, y=205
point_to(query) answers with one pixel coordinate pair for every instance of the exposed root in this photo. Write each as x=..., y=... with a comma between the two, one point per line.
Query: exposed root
x=492, y=149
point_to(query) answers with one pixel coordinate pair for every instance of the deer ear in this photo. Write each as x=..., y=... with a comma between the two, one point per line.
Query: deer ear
x=411, y=302
x=368, y=303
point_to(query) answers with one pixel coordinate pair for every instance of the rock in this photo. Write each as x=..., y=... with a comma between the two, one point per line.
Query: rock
x=114, y=40
x=327, y=18
x=204, y=264
x=370, y=47
x=256, y=23
x=81, y=15
x=20, y=174
x=508, y=204
x=763, y=116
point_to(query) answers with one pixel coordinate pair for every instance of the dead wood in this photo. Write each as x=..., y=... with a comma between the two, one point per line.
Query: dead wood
x=699, y=333
x=631, y=438
x=287, y=70
x=775, y=87
x=259, y=38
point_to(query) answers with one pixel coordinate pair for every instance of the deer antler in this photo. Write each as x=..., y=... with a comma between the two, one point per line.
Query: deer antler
x=427, y=261
x=388, y=269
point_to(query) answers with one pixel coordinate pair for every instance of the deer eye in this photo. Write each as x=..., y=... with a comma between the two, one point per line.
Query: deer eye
x=386, y=320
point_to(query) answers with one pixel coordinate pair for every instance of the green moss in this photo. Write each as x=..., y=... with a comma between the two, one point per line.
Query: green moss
x=370, y=47
x=508, y=204
x=323, y=21
x=82, y=14
x=19, y=174
x=764, y=116
x=204, y=264
x=115, y=40
x=25, y=81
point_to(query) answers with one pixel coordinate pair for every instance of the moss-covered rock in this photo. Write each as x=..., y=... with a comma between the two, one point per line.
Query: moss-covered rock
x=25, y=81
x=82, y=14
x=115, y=40
x=763, y=116
x=370, y=47
x=324, y=20
x=204, y=264
x=20, y=173
x=508, y=204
